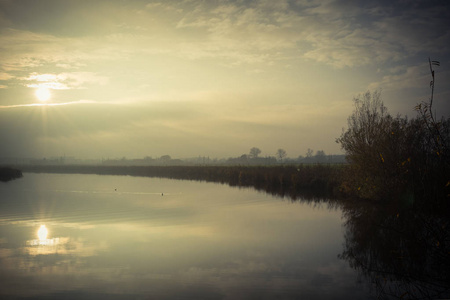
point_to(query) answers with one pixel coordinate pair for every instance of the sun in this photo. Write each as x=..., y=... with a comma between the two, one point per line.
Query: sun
x=43, y=94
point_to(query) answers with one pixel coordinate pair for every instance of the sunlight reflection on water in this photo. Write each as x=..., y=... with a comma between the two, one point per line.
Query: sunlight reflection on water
x=42, y=245
x=42, y=233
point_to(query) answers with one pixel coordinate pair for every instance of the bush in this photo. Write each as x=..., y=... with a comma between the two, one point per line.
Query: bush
x=395, y=157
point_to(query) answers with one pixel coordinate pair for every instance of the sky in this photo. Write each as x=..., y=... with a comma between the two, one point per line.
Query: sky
x=113, y=79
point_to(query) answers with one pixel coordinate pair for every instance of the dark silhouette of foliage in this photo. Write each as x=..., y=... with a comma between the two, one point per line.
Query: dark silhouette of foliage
x=7, y=174
x=281, y=154
x=396, y=158
x=254, y=152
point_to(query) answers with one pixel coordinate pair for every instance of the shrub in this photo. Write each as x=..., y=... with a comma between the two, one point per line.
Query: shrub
x=395, y=158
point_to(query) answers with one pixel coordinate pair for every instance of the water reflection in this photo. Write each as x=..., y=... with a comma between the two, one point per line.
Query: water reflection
x=42, y=233
x=199, y=241
x=404, y=253
x=43, y=245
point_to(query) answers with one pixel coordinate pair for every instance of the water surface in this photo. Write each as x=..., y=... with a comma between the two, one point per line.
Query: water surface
x=121, y=237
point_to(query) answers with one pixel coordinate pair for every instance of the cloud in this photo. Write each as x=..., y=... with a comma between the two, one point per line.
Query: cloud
x=329, y=32
x=403, y=78
x=336, y=32
x=5, y=76
x=25, y=50
x=49, y=104
x=63, y=81
x=235, y=33
x=79, y=79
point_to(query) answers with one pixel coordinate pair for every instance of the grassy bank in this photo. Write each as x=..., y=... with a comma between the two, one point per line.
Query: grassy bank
x=305, y=181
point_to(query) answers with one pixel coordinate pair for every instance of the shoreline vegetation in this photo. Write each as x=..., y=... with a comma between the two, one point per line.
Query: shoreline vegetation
x=303, y=181
x=8, y=174
x=309, y=182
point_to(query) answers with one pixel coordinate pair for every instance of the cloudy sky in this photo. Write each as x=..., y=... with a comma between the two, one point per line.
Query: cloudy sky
x=95, y=79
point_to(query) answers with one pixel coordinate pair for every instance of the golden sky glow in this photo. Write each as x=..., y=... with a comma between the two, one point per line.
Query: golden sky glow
x=209, y=78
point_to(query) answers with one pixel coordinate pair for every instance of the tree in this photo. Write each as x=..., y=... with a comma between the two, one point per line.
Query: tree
x=320, y=156
x=366, y=143
x=281, y=153
x=309, y=152
x=365, y=126
x=165, y=158
x=254, y=152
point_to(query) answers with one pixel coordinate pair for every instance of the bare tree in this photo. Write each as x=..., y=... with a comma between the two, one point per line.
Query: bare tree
x=254, y=152
x=309, y=152
x=281, y=153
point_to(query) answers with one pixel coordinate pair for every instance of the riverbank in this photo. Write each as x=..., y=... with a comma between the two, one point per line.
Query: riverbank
x=7, y=174
x=305, y=181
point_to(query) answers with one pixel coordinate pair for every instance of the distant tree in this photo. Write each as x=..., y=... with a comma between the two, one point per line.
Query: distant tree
x=320, y=156
x=165, y=158
x=254, y=152
x=320, y=153
x=281, y=153
x=309, y=152
x=243, y=159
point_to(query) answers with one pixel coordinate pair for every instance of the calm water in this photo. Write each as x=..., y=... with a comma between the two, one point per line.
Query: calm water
x=119, y=237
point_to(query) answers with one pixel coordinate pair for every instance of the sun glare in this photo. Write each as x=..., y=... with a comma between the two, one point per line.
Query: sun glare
x=43, y=94
x=42, y=233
